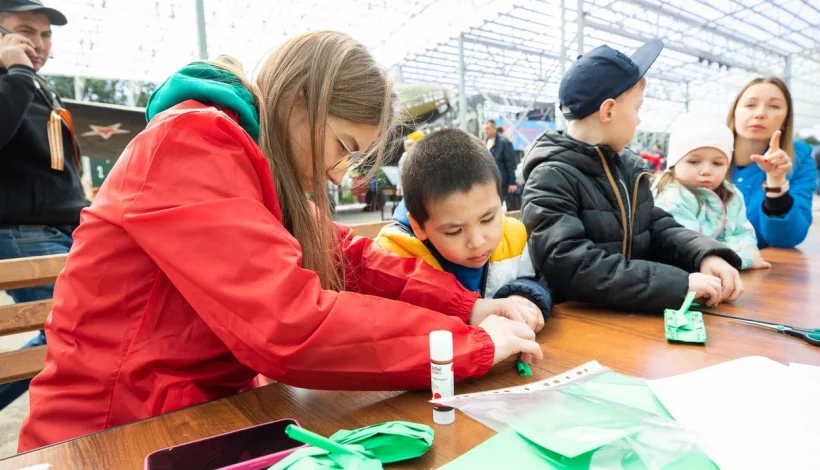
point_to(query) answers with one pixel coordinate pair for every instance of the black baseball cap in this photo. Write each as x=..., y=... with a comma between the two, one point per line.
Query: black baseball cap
x=601, y=74
x=56, y=18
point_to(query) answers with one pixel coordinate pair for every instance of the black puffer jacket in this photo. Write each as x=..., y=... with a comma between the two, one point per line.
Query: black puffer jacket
x=595, y=233
x=31, y=192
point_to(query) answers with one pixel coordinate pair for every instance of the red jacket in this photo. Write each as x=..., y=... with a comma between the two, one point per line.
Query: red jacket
x=183, y=285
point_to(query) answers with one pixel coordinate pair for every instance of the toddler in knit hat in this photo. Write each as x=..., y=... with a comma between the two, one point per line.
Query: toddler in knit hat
x=697, y=190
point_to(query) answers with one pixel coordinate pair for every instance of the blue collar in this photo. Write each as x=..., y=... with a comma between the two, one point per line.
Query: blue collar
x=472, y=279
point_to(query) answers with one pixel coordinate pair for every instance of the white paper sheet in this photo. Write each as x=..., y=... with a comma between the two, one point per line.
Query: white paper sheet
x=810, y=374
x=751, y=413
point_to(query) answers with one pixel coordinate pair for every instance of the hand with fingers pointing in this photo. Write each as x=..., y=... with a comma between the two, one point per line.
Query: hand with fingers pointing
x=775, y=162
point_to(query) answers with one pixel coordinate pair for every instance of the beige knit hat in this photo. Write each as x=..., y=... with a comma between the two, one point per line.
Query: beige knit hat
x=692, y=132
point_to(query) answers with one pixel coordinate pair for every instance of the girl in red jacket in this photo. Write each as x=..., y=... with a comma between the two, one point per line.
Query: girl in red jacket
x=202, y=262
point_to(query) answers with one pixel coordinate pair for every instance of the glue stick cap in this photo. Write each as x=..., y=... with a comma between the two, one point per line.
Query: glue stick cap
x=441, y=346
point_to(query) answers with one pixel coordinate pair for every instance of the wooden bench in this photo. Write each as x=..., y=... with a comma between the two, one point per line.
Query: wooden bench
x=27, y=316
x=31, y=316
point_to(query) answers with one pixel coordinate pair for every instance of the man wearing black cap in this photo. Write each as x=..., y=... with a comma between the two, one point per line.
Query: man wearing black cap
x=40, y=190
x=596, y=235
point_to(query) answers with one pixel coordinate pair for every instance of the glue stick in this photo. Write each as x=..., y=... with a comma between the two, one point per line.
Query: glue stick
x=441, y=374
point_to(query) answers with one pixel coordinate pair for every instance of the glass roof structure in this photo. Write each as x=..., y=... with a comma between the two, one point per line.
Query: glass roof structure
x=510, y=52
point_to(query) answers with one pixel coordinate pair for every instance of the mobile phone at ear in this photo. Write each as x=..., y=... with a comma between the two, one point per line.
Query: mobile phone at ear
x=253, y=448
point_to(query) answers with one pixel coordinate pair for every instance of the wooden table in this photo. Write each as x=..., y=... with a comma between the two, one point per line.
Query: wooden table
x=632, y=344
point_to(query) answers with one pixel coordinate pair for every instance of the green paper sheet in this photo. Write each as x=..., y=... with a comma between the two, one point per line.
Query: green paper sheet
x=610, y=421
x=510, y=450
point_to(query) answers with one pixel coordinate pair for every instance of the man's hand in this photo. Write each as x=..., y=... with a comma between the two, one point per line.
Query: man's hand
x=16, y=50
x=729, y=277
x=519, y=310
x=512, y=188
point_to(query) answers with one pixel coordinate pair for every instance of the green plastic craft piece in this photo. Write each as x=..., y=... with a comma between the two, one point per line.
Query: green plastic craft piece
x=683, y=325
x=360, y=449
x=523, y=369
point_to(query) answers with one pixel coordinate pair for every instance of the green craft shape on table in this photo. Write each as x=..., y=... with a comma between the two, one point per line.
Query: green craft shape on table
x=684, y=325
x=523, y=369
x=390, y=442
x=360, y=449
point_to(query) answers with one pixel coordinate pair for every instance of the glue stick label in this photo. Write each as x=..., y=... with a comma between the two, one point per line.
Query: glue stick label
x=443, y=383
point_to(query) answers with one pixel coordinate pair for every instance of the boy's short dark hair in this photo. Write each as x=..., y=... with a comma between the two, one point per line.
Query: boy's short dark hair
x=443, y=163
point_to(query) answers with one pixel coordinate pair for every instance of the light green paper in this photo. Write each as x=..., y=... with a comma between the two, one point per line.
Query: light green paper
x=510, y=450
x=614, y=404
x=604, y=422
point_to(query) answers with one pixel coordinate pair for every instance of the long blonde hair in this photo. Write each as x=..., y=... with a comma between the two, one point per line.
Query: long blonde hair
x=336, y=75
x=787, y=130
x=668, y=177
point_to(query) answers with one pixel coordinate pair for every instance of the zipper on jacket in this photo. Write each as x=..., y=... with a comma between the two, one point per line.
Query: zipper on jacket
x=617, y=197
x=484, y=277
x=635, y=207
x=629, y=210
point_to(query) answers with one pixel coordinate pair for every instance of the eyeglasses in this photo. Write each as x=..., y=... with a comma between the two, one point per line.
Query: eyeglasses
x=349, y=160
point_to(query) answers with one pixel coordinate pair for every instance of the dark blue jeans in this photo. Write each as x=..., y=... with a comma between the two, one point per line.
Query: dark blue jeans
x=21, y=242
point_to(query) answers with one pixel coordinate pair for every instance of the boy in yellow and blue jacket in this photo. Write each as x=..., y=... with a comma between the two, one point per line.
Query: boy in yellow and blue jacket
x=452, y=218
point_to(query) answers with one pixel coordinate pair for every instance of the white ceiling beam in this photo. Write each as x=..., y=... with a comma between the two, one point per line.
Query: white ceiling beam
x=683, y=49
x=659, y=9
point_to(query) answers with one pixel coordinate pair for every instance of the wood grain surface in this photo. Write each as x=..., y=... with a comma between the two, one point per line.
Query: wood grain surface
x=32, y=271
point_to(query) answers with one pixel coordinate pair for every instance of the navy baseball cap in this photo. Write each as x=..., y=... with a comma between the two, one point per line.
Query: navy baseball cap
x=56, y=18
x=601, y=74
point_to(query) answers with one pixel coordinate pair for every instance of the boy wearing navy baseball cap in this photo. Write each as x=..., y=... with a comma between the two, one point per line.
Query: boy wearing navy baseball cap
x=595, y=233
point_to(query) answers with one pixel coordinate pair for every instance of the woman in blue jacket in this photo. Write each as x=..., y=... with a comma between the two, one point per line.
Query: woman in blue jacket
x=775, y=173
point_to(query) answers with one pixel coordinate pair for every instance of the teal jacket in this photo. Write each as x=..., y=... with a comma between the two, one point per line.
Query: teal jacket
x=725, y=223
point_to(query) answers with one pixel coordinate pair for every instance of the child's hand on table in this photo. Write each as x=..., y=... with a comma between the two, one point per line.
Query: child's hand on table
x=760, y=263
x=707, y=288
x=732, y=286
x=515, y=308
x=512, y=338
x=530, y=312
